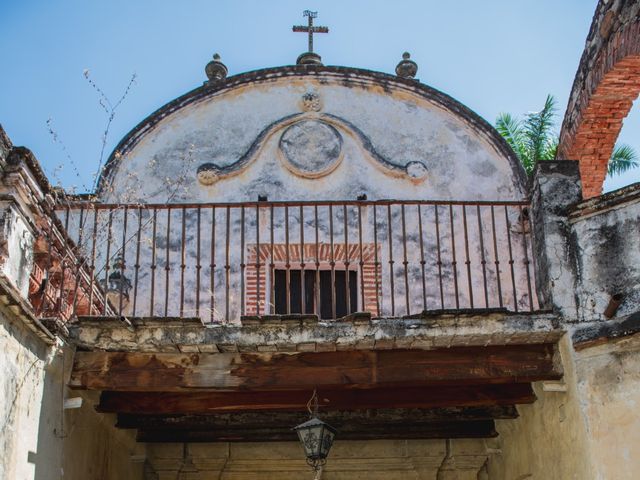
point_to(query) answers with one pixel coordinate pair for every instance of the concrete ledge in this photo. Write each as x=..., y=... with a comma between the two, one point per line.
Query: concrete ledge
x=189, y=335
x=18, y=308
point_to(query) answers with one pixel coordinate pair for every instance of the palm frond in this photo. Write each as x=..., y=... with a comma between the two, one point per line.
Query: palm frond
x=510, y=128
x=538, y=128
x=551, y=148
x=623, y=158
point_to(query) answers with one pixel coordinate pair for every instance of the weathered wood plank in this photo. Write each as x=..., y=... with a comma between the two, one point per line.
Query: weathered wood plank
x=337, y=418
x=433, y=430
x=351, y=420
x=121, y=371
x=170, y=403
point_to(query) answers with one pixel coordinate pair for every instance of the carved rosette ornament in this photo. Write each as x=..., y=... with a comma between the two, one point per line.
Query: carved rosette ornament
x=407, y=68
x=416, y=170
x=311, y=102
x=207, y=174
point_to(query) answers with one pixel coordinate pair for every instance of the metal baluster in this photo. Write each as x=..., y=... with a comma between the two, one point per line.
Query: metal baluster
x=183, y=266
x=454, y=263
x=482, y=258
x=287, y=265
x=198, y=265
x=242, y=264
x=107, y=266
x=361, y=262
x=303, y=306
x=347, y=288
x=92, y=268
x=513, y=276
x=391, y=279
x=495, y=251
x=466, y=250
x=153, y=261
x=124, y=258
x=212, y=267
x=317, y=283
x=258, y=253
x=227, y=267
x=422, y=262
x=79, y=262
x=332, y=264
x=439, y=256
x=62, y=297
x=377, y=266
x=167, y=266
x=137, y=265
x=272, y=268
x=526, y=257
x=404, y=260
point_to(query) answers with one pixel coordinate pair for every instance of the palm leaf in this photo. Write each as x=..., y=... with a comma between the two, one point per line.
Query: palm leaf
x=623, y=158
x=510, y=128
x=538, y=128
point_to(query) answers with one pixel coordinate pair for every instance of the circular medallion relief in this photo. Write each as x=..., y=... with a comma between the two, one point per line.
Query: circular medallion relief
x=311, y=148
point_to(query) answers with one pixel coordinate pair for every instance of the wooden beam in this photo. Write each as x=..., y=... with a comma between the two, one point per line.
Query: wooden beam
x=167, y=372
x=432, y=430
x=330, y=399
x=337, y=418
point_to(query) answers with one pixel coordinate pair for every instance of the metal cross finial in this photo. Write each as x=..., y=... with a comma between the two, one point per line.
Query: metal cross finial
x=310, y=29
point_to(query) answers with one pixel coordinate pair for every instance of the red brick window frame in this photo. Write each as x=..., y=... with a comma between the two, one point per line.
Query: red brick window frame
x=315, y=256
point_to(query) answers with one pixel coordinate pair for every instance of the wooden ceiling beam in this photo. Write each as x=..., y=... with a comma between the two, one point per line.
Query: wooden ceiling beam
x=167, y=372
x=198, y=402
x=283, y=432
x=339, y=418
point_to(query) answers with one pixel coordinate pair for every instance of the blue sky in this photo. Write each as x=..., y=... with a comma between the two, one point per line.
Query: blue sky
x=493, y=56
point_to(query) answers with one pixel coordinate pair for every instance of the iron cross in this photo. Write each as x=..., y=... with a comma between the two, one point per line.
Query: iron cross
x=310, y=29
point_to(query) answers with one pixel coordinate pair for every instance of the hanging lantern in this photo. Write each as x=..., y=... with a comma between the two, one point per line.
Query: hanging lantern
x=315, y=436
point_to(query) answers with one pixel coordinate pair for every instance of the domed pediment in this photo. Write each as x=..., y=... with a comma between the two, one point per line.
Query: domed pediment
x=315, y=132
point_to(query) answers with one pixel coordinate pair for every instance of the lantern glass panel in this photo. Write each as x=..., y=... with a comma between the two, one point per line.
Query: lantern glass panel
x=327, y=441
x=316, y=438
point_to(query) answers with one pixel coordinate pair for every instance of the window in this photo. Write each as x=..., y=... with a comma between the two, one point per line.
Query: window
x=327, y=293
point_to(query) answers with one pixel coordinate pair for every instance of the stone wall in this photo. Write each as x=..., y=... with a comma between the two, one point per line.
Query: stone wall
x=371, y=460
x=41, y=440
x=608, y=378
x=606, y=236
x=549, y=439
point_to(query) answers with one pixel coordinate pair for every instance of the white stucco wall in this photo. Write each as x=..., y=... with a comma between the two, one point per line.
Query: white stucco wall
x=388, y=121
x=39, y=439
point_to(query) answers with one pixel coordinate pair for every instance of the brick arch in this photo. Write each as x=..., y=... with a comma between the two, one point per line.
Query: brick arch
x=604, y=89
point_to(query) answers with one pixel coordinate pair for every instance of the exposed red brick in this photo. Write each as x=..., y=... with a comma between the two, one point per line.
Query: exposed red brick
x=606, y=84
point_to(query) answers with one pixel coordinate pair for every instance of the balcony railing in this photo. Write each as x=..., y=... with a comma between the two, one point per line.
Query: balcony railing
x=223, y=261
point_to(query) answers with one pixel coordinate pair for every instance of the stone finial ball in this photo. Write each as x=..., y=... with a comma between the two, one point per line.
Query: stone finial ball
x=216, y=70
x=406, y=68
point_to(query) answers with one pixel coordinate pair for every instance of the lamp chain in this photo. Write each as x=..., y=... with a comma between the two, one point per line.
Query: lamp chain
x=313, y=405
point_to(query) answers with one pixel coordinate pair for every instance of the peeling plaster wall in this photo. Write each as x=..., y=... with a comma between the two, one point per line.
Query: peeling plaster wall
x=550, y=439
x=38, y=441
x=383, y=130
x=609, y=387
x=606, y=233
x=22, y=384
